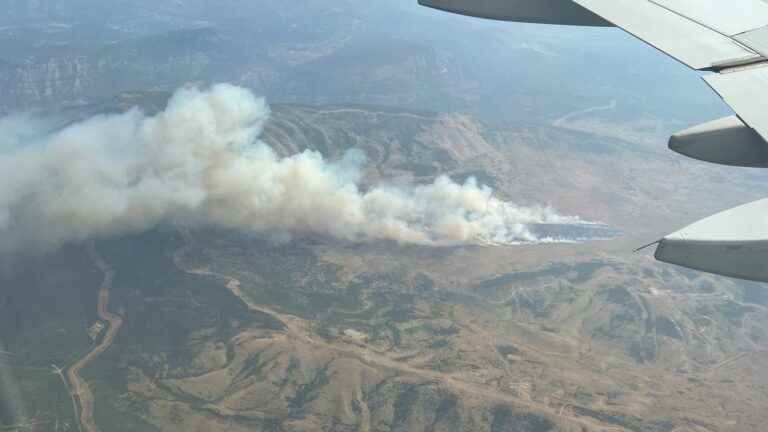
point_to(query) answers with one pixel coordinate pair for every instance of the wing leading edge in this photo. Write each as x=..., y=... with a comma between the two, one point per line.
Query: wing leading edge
x=708, y=35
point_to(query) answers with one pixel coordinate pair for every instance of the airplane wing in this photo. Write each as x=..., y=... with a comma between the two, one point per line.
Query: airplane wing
x=699, y=33
x=728, y=38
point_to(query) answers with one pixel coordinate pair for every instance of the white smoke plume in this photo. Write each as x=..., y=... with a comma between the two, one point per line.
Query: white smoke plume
x=199, y=162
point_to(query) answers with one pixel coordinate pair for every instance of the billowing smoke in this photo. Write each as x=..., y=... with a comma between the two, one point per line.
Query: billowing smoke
x=199, y=162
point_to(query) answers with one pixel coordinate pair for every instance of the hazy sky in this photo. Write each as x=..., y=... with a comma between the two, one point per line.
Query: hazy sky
x=381, y=52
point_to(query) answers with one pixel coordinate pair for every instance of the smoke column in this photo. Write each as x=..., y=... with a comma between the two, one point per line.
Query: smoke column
x=199, y=162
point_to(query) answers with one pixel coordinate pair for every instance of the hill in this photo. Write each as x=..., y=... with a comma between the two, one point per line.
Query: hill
x=240, y=331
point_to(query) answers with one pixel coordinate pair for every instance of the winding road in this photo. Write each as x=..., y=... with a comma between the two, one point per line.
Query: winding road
x=562, y=121
x=80, y=390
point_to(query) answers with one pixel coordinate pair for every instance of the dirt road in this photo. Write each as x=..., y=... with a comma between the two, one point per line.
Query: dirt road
x=79, y=387
x=297, y=329
x=562, y=121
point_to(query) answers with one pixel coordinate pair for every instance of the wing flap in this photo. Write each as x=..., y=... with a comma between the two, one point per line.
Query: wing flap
x=756, y=40
x=746, y=91
x=686, y=40
x=729, y=18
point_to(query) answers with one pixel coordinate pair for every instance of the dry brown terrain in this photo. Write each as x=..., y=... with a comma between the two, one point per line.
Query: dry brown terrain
x=580, y=336
x=235, y=331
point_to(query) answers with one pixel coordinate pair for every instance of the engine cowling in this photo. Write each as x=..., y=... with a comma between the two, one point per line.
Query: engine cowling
x=726, y=141
x=732, y=243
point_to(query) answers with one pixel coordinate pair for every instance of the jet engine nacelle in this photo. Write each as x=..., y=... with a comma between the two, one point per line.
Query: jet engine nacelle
x=727, y=141
x=564, y=12
x=732, y=243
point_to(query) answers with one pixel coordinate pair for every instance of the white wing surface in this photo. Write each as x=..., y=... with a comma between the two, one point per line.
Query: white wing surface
x=727, y=37
x=685, y=29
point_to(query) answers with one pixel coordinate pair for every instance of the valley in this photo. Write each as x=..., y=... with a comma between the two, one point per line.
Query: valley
x=223, y=329
x=197, y=328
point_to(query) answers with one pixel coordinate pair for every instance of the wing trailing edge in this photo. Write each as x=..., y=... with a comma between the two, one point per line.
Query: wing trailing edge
x=746, y=91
